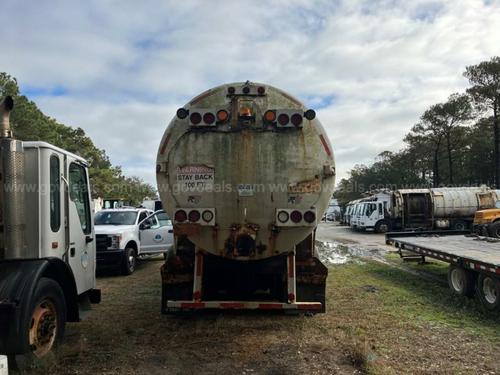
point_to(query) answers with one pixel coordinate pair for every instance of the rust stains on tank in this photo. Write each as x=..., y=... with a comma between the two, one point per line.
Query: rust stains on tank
x=310, y=186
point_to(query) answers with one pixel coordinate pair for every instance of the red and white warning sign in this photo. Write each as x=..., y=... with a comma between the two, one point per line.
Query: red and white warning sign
x=195, y=177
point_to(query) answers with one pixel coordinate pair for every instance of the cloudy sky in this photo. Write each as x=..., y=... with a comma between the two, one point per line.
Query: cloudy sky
x=120, y=69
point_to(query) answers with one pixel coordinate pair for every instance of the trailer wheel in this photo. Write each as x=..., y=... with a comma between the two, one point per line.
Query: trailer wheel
x=494, y=229
x=488, y=289
x=382, y=226
x=129, y=261
x=461, y=281
x=460, y=225
x=47, y=318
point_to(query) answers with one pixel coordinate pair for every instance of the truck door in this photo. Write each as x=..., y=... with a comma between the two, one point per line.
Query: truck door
x=81, y=252
x=156, y=233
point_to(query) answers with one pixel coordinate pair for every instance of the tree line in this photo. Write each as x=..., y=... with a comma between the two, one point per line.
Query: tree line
x=30, y=124
x=455, y=143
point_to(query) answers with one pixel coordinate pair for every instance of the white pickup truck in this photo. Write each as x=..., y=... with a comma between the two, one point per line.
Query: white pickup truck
x=124, y=234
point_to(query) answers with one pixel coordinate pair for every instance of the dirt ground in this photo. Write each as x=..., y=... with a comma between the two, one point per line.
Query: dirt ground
x=380, y=320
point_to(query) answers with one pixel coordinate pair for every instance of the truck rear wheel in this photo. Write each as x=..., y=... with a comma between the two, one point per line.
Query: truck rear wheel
x=460, y=225
x=461, y=281
x=488, y=290
x=382, y=226
x=45, y=328
x=129, y=261
x=494, y=229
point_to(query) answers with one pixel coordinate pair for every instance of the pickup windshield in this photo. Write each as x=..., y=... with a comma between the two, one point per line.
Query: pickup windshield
x=115, y=218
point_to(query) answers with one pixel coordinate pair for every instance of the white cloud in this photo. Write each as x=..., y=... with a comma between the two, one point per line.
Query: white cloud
x=126, y=66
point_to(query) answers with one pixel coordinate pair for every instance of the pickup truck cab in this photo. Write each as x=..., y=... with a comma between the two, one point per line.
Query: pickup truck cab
x=125, y=234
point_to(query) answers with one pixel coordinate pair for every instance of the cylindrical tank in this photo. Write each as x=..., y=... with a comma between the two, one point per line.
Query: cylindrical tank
x=462, y=201
x=12, y=207
x=268, y=156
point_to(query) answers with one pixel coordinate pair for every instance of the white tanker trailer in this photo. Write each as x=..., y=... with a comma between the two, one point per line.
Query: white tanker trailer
x=245, y=171
x=435, y=208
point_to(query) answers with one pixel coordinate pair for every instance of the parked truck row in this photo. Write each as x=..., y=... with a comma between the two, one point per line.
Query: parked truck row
x=423, y=209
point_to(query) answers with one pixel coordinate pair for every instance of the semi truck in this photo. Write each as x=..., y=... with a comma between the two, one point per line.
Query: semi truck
x=425, y=209
x=487, y=222
x=474, y=261
x=47, y=248
x=246, y=171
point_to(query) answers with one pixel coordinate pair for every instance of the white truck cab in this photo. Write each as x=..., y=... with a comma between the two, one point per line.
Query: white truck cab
x=124, y=234
x=373, y=213
x=47, y=243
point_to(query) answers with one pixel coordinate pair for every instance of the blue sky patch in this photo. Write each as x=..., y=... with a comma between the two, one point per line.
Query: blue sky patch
x=34, y=91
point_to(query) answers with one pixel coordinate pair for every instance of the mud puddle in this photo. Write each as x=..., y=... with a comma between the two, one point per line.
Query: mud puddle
x=333, y=252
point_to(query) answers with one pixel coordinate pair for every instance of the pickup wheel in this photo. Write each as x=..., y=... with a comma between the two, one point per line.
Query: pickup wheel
x=47, y=318
x=461, y=281
x=129, y=261
x=494, y=229
x=382, y=226
x=488, y=290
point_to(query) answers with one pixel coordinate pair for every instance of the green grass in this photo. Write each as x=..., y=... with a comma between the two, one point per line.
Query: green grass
x=410, y=297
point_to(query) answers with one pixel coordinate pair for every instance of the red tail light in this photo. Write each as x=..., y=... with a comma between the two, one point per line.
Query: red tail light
x=208, y=118
x=195, y=118
x=283, y=119
x=231, y=90
x=261, y=90
x=309, y=217
x=296, y=119
x=180, y=216
x=296, y=216
x=194, y=216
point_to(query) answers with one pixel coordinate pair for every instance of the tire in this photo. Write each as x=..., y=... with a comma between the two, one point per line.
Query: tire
x=47, y=318
x=484, y=232
x=460, y=225
x=488, y=291
x=129, y=261
x=461, y=281
x=382, y=226
x=494, y=229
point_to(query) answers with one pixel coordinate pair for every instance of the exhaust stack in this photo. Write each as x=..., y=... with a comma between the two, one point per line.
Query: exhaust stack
x=5, y=107
x=12, y=195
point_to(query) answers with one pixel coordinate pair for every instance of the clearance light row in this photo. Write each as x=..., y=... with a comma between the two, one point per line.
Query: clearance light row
x=288, y=118
x=295, y=218
x=204, y=117
x=202, y=216
x=282, y=118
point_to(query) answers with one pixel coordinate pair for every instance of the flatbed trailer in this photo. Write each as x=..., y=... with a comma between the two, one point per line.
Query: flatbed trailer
x=474, y=260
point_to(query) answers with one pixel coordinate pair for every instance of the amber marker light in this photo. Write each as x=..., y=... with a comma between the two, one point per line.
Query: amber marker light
x=270, y=116
x=222, y=115
x=245, y=112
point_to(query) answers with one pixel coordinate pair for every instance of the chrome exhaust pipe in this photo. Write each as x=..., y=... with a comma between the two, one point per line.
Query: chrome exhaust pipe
x=12, y=195
x=6, y=107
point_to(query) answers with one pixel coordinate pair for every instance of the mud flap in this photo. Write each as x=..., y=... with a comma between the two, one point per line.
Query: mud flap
x=311, y=282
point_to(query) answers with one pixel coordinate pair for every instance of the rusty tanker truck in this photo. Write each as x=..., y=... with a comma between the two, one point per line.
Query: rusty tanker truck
x=244, y=170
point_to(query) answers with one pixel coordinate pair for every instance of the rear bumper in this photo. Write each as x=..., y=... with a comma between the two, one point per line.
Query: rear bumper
x=110, y=257
x=173, y=306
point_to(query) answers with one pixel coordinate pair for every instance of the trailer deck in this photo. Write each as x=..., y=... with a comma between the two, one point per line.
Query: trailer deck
x=469, y=251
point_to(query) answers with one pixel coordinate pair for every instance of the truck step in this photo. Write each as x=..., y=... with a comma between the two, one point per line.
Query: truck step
x=411, y=257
